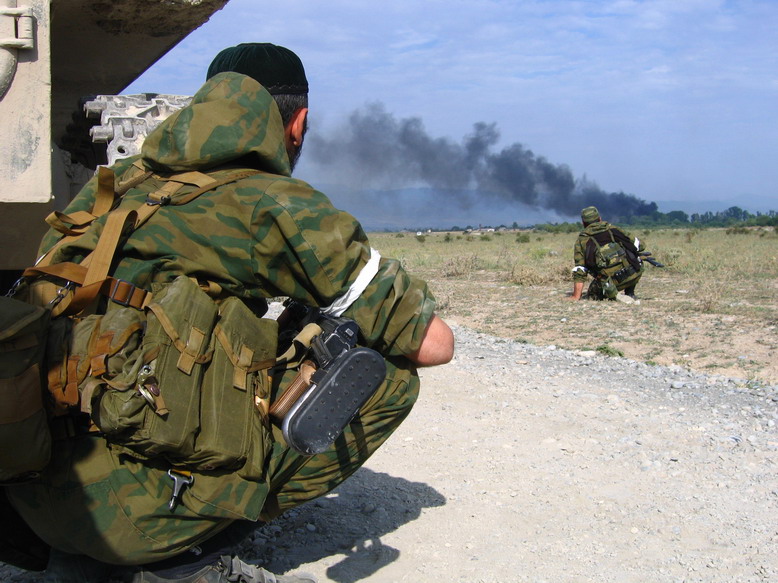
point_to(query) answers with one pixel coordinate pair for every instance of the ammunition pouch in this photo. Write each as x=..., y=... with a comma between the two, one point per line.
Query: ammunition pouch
x=186, y=380
x=623, y=274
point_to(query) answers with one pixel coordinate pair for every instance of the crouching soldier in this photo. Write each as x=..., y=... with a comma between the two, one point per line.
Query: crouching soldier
x=609, y=255
x=153, y=479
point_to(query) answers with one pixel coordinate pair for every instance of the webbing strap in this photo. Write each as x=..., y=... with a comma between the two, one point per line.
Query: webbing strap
x=190, y=196
x=92, y=273
x=126, y=184
x=120, y=291
x=102, y=257
x=73, y=224
x=76, y=224
x=300, y=345
x=105, y=191
x=196, y=178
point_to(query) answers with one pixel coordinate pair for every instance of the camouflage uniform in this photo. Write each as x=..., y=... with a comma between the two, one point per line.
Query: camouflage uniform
x=584, y=265
x=264, y=236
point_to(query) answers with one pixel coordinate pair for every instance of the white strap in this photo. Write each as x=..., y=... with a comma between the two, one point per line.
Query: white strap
x=364, y=278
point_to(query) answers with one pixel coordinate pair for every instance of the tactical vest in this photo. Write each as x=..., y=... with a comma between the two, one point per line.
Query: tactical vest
x=166, y=373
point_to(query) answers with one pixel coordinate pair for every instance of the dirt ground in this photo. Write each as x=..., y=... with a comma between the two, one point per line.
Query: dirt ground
x=531, y=464
x=534, y=457
x=669, y=325
x=539, y=465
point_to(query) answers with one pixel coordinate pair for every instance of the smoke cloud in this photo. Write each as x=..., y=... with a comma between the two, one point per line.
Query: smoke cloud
x=374, y=150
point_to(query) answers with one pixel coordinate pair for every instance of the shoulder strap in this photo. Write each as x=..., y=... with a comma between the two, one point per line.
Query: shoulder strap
x=91, y=275
x=590, y=253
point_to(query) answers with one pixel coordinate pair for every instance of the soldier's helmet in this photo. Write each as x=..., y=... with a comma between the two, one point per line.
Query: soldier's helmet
x=590, y=215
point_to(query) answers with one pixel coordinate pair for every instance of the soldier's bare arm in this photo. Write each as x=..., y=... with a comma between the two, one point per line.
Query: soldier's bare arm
x=577, y=290
x=437, y=345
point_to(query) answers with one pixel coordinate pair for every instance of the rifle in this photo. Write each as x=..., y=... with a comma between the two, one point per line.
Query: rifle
x=646, y=256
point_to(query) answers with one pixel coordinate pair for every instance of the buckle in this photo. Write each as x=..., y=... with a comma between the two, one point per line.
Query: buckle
x=161, y=201
x=127, y=297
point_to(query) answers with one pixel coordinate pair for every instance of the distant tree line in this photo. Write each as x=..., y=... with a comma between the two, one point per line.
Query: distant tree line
x=735, y=216
x=732, y=217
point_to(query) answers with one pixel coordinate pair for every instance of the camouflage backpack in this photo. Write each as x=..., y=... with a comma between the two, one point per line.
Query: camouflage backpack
x=611, y=255
x=165, y=372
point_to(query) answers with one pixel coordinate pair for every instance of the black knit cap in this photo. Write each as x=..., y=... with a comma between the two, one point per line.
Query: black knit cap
x=277, y=68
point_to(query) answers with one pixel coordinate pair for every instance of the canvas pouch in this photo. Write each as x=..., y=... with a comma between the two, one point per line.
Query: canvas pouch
x=24, y=430
x=186, y=380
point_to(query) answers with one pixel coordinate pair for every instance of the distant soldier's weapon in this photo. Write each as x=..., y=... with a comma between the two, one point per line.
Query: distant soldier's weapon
x=646, y=256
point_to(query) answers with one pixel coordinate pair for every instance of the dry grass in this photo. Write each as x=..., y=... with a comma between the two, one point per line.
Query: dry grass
x=713, y=307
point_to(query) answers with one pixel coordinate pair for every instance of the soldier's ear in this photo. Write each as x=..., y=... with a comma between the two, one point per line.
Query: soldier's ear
x=295, y=129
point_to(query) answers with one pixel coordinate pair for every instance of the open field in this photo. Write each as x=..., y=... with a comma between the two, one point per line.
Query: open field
x=530, y=464
x=712, y=309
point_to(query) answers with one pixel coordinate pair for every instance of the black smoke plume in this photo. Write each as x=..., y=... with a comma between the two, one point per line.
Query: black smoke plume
x=374, y=150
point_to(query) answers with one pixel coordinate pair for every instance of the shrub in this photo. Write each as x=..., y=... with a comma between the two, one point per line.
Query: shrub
x=608, y=350
x=671, y=256
x=459, y=266
x=539, y=274
x=540, y=253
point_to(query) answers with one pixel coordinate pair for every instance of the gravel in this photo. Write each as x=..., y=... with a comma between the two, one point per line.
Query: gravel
x=535, y=464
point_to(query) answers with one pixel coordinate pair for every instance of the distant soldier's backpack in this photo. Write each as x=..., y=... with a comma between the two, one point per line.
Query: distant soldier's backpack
x=611, y=255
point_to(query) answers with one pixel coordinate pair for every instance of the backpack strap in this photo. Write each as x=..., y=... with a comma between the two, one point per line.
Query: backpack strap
x=73, y=225
x=92, y=274
x=598, y=240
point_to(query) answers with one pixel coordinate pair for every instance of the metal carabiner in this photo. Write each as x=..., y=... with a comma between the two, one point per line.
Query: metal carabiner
x=61, y=294
x=12, y=290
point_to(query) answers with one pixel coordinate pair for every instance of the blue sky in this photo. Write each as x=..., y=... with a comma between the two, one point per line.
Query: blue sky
x=662, y=99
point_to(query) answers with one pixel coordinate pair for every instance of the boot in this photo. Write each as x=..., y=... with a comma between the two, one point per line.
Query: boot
x=228, y=570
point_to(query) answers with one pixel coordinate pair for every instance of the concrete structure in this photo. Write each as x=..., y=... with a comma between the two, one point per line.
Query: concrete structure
x=55, y=55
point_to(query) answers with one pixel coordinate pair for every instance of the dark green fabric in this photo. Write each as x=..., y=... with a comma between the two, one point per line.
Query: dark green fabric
x=23, y=333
